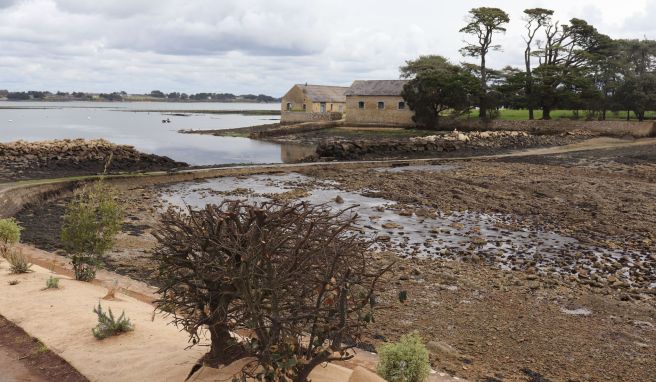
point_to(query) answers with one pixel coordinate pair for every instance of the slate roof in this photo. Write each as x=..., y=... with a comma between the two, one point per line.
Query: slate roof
x=377, y=88
x=321, y=93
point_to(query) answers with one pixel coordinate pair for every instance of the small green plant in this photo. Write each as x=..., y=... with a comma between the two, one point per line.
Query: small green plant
x=52, y=282
x=108, y=325
x=18, y=262
x=92, y=221
x=404, y=361
x=9, y=235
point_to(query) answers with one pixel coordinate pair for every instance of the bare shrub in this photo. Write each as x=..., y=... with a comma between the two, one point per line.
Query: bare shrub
x=295, y=278
x=18, y=262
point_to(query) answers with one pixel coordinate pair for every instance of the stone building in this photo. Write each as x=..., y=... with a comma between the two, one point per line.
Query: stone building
x=306, y=103
x=377, y=103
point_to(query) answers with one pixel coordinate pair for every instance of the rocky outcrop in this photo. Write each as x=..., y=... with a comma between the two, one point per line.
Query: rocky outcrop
x=435, y=144
x=24, y=160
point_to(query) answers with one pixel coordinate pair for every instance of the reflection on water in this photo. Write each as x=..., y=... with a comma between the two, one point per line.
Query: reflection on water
x=35, y=121
x=292, y=152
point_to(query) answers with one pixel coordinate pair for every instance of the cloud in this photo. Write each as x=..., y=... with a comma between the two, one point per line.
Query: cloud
x=253, y=45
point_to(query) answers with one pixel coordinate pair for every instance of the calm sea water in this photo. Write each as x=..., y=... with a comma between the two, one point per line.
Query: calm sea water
x=121, y=123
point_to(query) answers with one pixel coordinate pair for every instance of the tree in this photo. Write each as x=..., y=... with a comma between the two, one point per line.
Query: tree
x=535, y=19
x=483, y=23
x=564, y=53
x=10, y=233
x=637, y=67
x=295, y=276
x=92, y=220
x=437, y=86
x=157, y=94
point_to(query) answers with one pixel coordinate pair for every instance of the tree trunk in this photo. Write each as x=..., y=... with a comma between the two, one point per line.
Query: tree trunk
x=482, y=114
x=546, y=113
x=529, y=84
x=224, y=350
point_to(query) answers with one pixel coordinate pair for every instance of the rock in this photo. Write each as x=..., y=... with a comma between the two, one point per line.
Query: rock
x=392, y=225
x=384, y=238
x=339, y=199
x=442, y=350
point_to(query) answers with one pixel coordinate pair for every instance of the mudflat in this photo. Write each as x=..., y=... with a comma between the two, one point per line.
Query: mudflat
x=531, y=267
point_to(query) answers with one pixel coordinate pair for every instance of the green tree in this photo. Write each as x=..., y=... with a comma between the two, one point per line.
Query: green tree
x=535, y=18
x=637, y=67
x=483, y=23
x=92, y=220
x=436, y=87
x=10, y=233
x=564, y=53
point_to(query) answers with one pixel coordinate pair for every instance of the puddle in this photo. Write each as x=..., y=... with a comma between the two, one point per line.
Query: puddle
x=492, y=238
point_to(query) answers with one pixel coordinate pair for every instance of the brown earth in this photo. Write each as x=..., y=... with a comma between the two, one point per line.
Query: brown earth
x=25, y=359
x=480, y=322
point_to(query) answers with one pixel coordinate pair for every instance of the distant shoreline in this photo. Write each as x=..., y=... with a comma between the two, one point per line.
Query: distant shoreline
x=132, y=101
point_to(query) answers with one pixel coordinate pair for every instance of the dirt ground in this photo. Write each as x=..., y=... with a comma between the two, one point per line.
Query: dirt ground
x=482, y=322
x=25, y=359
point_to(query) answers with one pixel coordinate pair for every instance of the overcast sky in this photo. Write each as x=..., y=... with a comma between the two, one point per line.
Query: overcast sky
x=256, y=46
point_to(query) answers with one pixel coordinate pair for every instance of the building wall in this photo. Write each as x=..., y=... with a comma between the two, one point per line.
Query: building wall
x=288, y=117
x=390, y=115
x=296, y=97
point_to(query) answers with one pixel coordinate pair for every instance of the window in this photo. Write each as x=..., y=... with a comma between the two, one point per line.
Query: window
x=361, y=105
x=304, y=107
x=381, y=105
x=401, y=105
x=289, y=106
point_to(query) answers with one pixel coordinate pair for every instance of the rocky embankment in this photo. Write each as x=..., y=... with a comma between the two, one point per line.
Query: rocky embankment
x=491, y=141
x=68, y=157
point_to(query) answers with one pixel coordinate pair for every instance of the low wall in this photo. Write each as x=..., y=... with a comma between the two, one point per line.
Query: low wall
x=607, y=128
x=12, y=200
x=288, y=117
x=295, y=129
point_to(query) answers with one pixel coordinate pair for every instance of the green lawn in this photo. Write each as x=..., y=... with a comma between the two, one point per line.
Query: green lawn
x=556, y=114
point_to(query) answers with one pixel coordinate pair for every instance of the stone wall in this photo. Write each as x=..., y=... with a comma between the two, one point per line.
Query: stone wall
x=490, y=141
x=371, y=114
x=289, y=117
x=608, y=128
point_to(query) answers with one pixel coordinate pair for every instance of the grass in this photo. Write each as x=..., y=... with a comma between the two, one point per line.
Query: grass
x=108, y=325
x=512, y=115
x=52, y=283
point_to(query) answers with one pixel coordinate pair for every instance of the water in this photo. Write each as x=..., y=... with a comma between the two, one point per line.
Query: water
x=122, y=124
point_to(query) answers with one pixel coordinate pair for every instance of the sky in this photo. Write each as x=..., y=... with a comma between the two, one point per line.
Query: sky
x=257, y=46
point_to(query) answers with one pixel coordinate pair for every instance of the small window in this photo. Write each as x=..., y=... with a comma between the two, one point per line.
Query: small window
x=361, y=105
x=289, y=106
x=381, y=105
x=401, y=105
x=304, y=107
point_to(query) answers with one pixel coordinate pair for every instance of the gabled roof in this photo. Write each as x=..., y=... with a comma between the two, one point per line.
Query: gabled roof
x=377, y=88
x=321, y=93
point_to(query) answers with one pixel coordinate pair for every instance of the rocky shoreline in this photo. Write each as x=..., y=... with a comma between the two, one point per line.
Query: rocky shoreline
x=69, y=157
x=435, y=145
